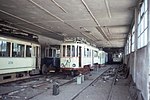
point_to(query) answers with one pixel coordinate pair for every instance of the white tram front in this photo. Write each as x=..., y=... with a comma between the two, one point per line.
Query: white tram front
x=17, y=57
x=78, y=56
x=117, y=57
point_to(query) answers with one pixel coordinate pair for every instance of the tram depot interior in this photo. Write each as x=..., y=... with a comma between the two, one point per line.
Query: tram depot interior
x=120, y=28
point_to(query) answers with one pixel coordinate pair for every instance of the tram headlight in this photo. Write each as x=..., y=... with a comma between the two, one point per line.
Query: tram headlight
x=73, y=65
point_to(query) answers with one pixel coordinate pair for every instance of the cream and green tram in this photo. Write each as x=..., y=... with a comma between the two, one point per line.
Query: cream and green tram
x=78, y=57
x=18, y=58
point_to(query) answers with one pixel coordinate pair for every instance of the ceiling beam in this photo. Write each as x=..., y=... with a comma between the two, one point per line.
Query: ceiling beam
x=108, y=8
x=95, y=20
x=56, y=17
x=59, y=6
x=26, y=21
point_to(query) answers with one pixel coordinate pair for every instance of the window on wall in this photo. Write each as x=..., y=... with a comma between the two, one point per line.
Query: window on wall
x=126, y=48
x=4, y=49
x=133, y=38
x=129, y=44
x=142, y=25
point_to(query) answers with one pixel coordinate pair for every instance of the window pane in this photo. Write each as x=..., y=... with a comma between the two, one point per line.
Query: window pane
x=145, y=17
x=28, y=51
x=88, y=53
x=145, y=37
x=4, y=49
x=77, y=51
x=95, y=53
x=46, y=52
x=138, y=43
x=139, y=29
x=145, y=2
x=84, y=52
x=142, y=9
x=34, y=50
x=37, y=51
x=54, y=52
x=73, y=51
x=17, y=50
x=133, y=29
x=58, y=53
x=68, y=50
x=142, y=40
x=64, y=50
x=139, y=18
x=142, y=25
x=50, y=52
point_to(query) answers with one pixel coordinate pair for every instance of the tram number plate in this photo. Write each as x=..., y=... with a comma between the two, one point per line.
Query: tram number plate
x=10, y=62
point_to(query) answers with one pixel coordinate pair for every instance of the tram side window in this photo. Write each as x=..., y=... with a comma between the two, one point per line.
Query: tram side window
x=73, y=51
x=28, y=51
x=64, y=50
x=4, y=49
x=34, y=51
x=88, y=53
x=17, y=50
x=58, y=53
x=46, y=53
x=84, y=52
x=77, y=51
x=50, y=52
x=54, y=52
x=95, y=54
x=68, y=50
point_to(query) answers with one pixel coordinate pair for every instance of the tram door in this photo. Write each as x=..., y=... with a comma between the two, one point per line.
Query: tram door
x=37, y=56
x=80, y=56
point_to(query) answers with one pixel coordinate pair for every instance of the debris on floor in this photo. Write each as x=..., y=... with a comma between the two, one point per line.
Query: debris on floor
x=135, y=93
x=109, y=74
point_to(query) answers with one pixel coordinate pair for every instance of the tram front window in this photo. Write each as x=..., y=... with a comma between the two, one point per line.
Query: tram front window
x=64, y=50
x=50, y=52
x=68, y=50
x=73, y=51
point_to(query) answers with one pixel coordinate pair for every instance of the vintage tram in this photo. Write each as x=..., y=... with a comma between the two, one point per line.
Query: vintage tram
x=79, y=56
x=117, y=57
x=50, y=61
x=19, y=56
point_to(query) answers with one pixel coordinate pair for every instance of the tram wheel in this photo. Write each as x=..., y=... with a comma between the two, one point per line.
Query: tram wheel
x=74, y=73
x=44, y=69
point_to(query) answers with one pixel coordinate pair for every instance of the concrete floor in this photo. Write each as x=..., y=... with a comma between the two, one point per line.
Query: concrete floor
x=98, y=90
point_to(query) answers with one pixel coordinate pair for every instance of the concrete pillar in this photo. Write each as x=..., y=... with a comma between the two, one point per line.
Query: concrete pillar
x=135, y=44
x=148, y=50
